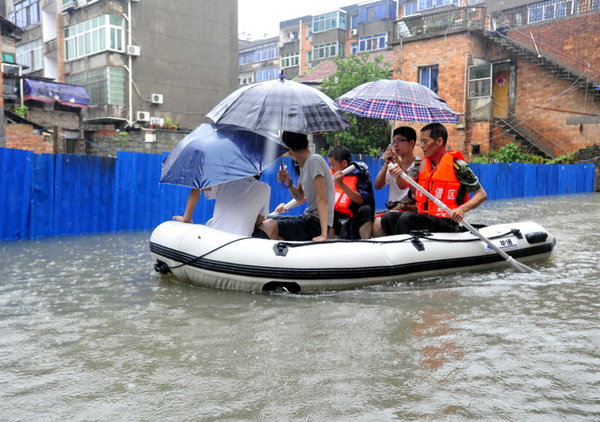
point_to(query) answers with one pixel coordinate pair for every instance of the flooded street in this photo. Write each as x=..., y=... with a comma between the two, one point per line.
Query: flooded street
x=91, y=332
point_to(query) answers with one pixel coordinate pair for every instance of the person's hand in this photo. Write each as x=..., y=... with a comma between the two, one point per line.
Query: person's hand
x=283, y=177
x=338, y=177
x=388, y=155
x=458, y=214
x=280, y=208
x=395, y=170
x=320, y=238
x=180, y=218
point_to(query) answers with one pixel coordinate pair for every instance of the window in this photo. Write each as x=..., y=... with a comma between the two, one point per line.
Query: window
x=354, y=21
x=261, y=54
x=323, y=51
x=8, y=58
x=99, y=34
x=104, y=86
x=266, y=74
x=373, y=42
x=480, y=81
x=549, y=9
x=26, y=13
x=354, y=48
x=290, y=60
x=246, y=78
x=377, y=12
x=413, y=6
x=428, y=76
x=327, y=21
x=30, y=55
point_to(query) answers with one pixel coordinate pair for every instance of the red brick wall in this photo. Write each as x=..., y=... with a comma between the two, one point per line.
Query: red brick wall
x=22, y=137
x=545, y=101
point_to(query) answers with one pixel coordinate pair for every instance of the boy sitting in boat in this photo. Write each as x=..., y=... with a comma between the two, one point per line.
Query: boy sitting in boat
x=445, y=175
x=315, y=185
x=354, y=207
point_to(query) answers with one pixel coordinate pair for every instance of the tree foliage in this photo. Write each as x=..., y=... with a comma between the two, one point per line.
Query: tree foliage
x=512, y=153
x=364, y=136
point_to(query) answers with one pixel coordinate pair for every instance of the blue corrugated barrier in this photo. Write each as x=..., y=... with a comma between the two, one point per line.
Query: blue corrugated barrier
x=60, y=194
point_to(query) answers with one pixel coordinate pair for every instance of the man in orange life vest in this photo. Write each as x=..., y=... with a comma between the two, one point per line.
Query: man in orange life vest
x=354, y=200
x=445, y=175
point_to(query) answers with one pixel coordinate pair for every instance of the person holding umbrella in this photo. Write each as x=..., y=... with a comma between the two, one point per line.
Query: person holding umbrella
x=315, y=185
x=446, y=176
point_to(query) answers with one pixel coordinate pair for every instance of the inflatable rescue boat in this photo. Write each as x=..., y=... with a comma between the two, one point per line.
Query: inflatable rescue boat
x=211, y=258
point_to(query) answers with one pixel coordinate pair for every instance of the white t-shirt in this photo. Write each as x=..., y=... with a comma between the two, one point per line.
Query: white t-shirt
x=238, y=204
x=396, y=194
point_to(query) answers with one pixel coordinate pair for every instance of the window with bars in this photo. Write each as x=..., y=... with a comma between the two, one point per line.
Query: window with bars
x=104, y=86
x=99, y=34
x=30, y=55
x=549, y=9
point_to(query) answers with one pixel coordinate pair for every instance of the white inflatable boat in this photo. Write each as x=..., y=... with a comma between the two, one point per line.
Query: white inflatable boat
x=211, y=258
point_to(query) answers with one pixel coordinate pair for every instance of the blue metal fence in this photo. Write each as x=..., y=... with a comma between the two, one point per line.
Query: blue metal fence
x=58, y=194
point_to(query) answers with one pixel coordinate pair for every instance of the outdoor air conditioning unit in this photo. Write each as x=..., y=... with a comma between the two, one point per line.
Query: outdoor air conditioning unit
x=81, y=3
x=134, y=50
x=310, y=40
x=156, y=98
x=142, y=116
x=353, y=32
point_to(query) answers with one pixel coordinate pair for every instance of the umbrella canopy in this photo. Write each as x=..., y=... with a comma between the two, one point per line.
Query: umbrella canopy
x=212, y=155
x=397, y=100
x=280, y=104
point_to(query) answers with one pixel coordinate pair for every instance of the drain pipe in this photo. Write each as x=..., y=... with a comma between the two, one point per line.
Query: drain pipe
x=128, y=67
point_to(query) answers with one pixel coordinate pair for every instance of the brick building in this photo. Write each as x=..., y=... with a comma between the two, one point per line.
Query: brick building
x=527, y=72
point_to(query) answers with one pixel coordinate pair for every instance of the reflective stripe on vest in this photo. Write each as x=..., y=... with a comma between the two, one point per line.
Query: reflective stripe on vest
x=441, y=182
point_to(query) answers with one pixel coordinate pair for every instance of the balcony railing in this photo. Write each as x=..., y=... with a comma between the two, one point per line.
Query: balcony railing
x=545, y=11
x=50, y=47
x=421, y=26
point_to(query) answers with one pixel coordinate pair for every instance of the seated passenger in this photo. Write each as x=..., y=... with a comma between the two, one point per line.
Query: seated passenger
x=446, y=176
x=354, y=199
x=240, y=205
x=315, y=185
x=400, y=152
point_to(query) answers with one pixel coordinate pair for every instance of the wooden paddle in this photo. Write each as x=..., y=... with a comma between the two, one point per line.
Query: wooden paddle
x=513, y=263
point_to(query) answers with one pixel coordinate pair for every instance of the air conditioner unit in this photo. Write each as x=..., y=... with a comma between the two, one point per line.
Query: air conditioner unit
x=81, y=3
x=353, y=32
x=280, y=45
x=156, y=98
x=134, y=50
x=11, y=69
x=310, y=40
x=142, y=116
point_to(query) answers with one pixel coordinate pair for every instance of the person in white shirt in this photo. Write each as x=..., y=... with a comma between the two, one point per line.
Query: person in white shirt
x=240, y=205
x=401, y=153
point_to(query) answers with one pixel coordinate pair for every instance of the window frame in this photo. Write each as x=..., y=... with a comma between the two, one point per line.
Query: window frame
x=430, y=71
x=479, y=81
x=80, y=39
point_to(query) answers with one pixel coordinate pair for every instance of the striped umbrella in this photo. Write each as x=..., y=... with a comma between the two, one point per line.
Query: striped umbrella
x=279, y=104
x=397, y=100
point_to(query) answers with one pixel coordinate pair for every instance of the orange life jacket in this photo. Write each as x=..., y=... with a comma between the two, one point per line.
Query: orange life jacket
x=342, y=201
x=441, y=182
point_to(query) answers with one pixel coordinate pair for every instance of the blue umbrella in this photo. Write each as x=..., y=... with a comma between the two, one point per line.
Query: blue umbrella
x=212, y=155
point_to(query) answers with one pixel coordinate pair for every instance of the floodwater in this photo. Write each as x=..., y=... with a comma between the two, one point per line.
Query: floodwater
x=90, y=332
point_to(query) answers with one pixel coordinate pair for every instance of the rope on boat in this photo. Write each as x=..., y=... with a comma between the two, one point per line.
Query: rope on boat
x=209, y=252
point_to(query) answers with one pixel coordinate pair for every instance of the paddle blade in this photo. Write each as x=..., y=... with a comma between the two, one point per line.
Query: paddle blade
x=520, y=267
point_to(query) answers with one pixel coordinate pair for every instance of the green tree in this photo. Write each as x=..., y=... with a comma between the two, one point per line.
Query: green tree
x=364, y=136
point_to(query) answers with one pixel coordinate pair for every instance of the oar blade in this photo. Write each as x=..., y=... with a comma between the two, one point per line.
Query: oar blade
x=520, y=266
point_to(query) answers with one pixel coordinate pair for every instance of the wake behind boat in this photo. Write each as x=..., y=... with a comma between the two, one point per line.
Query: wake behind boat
x=211, y=258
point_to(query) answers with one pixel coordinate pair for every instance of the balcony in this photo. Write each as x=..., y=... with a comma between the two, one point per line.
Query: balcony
x=50, y=47
x=427, y=25
x=544, y=11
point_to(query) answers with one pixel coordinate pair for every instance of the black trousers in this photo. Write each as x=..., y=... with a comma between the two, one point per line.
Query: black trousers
x=405, y=222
